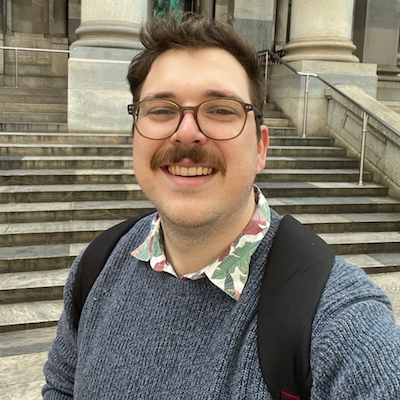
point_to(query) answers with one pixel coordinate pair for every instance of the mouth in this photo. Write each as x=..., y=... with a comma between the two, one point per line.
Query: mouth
x=189, y=171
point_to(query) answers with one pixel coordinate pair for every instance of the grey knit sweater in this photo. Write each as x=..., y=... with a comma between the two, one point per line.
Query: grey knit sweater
x=147, y=335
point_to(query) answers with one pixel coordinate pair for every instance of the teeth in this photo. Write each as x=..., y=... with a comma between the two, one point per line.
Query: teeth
x=192, y=171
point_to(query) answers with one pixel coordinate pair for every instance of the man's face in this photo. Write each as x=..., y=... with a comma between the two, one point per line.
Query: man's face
x=222, y=185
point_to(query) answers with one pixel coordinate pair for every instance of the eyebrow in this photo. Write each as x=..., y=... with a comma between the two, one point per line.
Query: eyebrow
x=227, y=94
x=209, y=94
x=160, y=95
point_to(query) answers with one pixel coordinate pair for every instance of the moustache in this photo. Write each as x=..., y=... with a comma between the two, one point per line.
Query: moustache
x=197, y=155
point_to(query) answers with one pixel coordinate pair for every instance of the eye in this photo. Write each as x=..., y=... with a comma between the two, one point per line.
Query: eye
x=223, y=111
x=158, y=110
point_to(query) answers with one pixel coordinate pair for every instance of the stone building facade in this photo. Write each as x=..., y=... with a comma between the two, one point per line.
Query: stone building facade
x=345, y=41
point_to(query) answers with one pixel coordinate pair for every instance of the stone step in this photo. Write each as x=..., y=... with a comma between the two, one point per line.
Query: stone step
x=29, y=315
x=309, y=175
x=118, y=176
x=19, y=116
x=320, y=189
x=33, y=107
x=33, y=98
x=115, y=162
x=64, y=138
x=32, y=286
x=42, y=69
x=268, y=107
x=335, y=223
x=363, y=242
x=80, y=150
x=58, y=232
x=276, y=122
x=25, y=342
x=11, y=213
x=37, y=82
x=275, y=114
x=10, y=92
x=38, y=258
x=111, y=138
x=375, y=263
x=334, y=205
x=300, y=141
x=283, y=131
x=21, y=376
x=32, y=127
x=57, y=193
x=123, y=192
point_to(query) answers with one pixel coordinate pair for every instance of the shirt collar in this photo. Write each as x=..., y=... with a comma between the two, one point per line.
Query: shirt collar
x=230, y=270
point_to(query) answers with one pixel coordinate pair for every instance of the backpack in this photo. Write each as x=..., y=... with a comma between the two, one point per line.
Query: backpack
x=298, y=266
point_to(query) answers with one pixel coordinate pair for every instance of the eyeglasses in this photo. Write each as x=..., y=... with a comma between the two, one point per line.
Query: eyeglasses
x=218, y=119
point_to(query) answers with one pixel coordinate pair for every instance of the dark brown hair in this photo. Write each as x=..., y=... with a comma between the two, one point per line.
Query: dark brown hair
x=194, y=32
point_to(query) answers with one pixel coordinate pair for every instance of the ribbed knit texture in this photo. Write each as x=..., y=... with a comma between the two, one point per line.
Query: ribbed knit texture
x=147, y=335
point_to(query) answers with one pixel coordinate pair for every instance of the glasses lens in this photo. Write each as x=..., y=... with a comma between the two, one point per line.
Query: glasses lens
x=156, y=119
x=221, y=119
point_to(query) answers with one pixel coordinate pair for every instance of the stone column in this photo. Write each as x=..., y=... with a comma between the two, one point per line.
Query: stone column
x=8, y=15
x=282, y=19
x=58, y=17
x=376, y=35
x=321, y=30
x=207, y=8
x=254, y=19
x=320, y=42
x=108, y=38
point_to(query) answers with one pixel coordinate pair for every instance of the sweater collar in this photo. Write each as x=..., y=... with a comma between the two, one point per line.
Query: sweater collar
x=230, y=270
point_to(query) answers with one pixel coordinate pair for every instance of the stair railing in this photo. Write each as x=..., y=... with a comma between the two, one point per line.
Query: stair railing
x=17, y=49
x=275, y=59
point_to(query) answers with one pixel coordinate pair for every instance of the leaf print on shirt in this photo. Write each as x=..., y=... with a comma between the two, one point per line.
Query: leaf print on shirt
x=239, y=259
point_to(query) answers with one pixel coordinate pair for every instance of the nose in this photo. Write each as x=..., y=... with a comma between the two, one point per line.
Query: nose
x=188, y=132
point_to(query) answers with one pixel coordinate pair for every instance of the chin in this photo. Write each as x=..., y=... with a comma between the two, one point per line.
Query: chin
x=187, y=217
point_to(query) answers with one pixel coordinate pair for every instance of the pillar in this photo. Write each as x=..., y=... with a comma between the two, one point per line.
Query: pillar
x=207, y=8
x=321, y=30
x=254, y=20
x=108, y=38
x=58, y=17
x=320, y=42
x=282, y=19
x=376, y=35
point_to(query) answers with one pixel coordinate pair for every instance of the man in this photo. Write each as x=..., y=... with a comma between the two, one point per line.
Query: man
x=173, y=314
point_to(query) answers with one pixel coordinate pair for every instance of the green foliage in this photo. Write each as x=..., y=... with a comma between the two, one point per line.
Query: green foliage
x=163, y=7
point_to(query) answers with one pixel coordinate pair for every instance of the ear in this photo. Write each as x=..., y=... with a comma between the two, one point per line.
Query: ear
x=262, y=147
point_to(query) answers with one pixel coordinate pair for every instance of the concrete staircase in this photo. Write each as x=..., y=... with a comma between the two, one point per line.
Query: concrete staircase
x=33, y=109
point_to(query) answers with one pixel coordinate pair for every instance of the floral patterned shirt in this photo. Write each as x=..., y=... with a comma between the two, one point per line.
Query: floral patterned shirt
x=230, y=270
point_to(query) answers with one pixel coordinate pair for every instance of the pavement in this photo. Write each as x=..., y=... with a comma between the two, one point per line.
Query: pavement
x=23, y=353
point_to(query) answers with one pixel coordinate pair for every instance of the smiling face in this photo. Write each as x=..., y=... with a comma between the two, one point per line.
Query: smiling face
x=194, y=181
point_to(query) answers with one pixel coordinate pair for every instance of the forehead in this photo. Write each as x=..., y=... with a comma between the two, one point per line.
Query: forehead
x=186, y=74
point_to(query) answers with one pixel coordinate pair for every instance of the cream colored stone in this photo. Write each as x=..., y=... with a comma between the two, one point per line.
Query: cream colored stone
x=254, y=9
x=131, y=11
x=321, y=30
x=322, y=18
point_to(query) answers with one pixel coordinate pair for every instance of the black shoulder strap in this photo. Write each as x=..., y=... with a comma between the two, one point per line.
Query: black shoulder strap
x=93, y=260
x=297, y=269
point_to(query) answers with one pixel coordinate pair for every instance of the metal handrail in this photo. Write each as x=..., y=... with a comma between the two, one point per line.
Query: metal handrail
x=16, y=49
x=366, y=113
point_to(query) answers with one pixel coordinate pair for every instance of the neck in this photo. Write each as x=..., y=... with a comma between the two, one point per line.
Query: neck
x=190, y=249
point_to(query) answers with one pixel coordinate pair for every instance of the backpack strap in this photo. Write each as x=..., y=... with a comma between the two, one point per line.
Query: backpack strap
x=93, y=260
x=298, y=266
